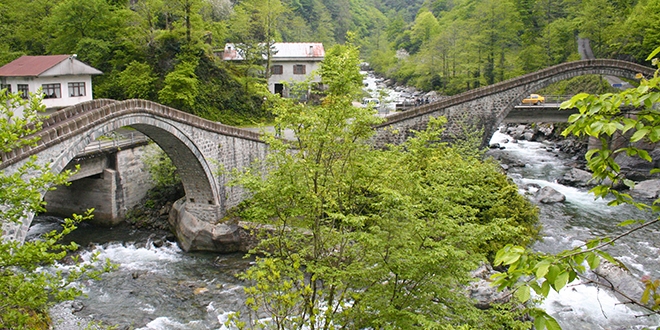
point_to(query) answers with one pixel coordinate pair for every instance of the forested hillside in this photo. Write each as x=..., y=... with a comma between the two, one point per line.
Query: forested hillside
x=163, y=50
x=453, y=45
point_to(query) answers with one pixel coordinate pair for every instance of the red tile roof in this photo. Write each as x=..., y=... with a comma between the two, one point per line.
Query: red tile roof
x=31, y=66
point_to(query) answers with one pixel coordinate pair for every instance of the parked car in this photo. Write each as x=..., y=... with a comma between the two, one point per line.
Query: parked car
x=367, y=101
x=534, y=99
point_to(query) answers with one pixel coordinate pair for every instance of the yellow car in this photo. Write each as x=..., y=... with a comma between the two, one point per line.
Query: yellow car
x=533, y=99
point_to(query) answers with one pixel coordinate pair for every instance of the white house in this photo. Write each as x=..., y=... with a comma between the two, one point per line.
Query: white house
x=64, y=80
x=290, y=62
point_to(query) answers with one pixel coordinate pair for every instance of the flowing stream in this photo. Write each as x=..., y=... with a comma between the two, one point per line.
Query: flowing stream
x=158, y=286
x=570, y=224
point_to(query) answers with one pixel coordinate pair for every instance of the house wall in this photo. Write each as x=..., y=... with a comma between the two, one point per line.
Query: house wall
x=287, y=73
x=35, y=82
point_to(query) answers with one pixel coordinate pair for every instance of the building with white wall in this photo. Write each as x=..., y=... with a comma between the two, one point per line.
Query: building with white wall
x=290, y=62
x=64, y=80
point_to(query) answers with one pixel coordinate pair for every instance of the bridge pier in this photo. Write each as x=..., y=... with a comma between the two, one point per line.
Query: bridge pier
x=111, y=181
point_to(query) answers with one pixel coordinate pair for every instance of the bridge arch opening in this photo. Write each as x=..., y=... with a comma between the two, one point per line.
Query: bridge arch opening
x=194, y=171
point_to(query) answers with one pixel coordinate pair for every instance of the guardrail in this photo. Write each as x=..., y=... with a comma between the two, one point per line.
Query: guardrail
x=114, y=142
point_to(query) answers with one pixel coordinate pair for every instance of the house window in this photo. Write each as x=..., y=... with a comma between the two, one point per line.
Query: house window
x=7, y=86
x=76, y=89
x=299, y=69
x=24, y=90
x=52, y=91
x=276, y=69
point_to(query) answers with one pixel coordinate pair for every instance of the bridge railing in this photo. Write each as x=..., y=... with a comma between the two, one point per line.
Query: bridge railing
x=116, y=140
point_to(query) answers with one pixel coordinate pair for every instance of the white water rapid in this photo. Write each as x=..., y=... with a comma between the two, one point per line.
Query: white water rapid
x=571, y=223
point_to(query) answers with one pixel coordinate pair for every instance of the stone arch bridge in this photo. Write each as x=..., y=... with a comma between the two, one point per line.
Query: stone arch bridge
x=487, y=107
x=199, y=148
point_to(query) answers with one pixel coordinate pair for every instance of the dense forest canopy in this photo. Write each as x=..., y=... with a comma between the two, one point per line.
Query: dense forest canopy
x=166, y=51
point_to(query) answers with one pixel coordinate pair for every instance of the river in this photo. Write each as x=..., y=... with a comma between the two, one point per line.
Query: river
x=158, y=286
x=571, y=223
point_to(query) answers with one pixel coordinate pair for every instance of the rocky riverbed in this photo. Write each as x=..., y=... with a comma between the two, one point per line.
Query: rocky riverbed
x=647, y=185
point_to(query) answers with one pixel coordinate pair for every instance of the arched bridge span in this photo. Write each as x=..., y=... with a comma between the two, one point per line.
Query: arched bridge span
x=196, y=146
x=486, y=107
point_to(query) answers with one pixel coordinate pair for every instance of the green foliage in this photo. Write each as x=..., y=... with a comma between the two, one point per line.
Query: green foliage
x=26, y=287
x=181, y=86
x=74, y=22
x=485, y=41
x=601, y=117
x=365, y=238
x=453, y=45
x=160, y=166
x=137, y=81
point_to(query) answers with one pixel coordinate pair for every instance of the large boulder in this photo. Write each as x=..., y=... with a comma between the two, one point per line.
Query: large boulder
x=638, y=169
x=576, y=178
x=649, y=189
x=544, y=131
x=617, y=277
x=483, y=291
x=548, y=195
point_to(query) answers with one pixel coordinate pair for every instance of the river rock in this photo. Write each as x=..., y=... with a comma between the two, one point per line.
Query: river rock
x=573, y=146
x=482, y=290
x=62, y=317
x=545, y=130
x=230, y=236
x=576, y=178
x=638, y=169
x=649, y=189
x=517, y=132
x=548, y=195
x=616, y=277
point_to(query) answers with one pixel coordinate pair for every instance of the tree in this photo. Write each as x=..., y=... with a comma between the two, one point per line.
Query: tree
x=594, y=20
x=322, y=23
x=425, y=27
x=22, y=29
x=365, y=238
x=636, y=37
x=600, y=117
x=73, y=21
x=255, y=30
x=137, y=81
x=181, y=86
x=27, y=290
x=186, y=21
x=498, y=27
